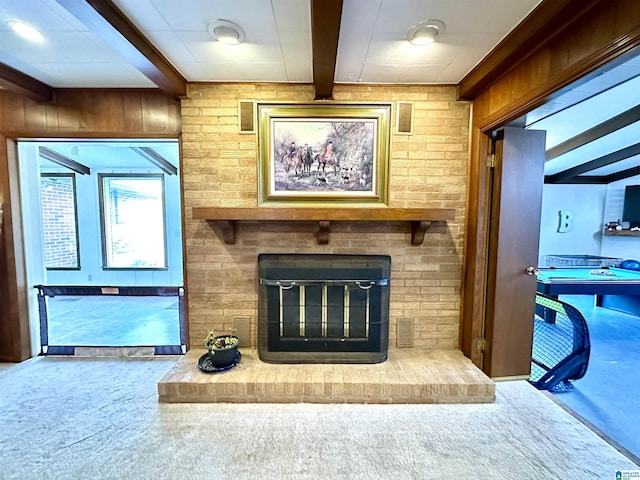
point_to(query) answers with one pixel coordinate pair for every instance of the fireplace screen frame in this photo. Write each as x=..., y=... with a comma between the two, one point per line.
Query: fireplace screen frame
x=323, y=308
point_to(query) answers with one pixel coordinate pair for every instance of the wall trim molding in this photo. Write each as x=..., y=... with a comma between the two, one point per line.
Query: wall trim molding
x=541, y=26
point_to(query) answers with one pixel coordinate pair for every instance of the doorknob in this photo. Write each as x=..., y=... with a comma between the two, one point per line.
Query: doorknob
x=532, y=271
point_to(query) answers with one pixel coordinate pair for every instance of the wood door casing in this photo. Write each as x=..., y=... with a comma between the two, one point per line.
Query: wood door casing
x=608, y=32
x=516, y=205
x=78, y=113
x=474, y=274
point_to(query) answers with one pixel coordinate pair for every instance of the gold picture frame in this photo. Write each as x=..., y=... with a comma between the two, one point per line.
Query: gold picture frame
x=323, y=153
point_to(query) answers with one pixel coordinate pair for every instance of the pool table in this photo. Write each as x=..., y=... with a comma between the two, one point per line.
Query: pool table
x=615, y=288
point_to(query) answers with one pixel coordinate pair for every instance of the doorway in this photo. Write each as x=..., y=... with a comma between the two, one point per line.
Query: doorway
x=103, y=242
x=592, y=154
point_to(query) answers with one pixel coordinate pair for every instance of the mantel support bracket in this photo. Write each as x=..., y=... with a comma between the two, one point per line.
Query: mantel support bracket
x=418, y=230
x=324, y=231
x=228, y=227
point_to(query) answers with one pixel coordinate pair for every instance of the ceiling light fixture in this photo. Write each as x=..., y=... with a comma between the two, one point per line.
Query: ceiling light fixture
x=425, y=32
x=226, y=32
x=26, y=31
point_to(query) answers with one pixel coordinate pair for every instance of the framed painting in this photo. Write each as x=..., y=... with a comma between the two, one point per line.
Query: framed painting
x=323, y=153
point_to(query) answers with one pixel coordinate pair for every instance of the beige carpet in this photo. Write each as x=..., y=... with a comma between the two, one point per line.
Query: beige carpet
x=68, y=418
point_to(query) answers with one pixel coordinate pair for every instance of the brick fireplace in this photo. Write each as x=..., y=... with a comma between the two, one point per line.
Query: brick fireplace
x=427, y=170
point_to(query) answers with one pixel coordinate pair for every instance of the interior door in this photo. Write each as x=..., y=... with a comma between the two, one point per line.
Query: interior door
x=516, y=199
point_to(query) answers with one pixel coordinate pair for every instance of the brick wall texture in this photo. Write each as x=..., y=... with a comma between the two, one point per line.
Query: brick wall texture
x=57, y=203
x=427, y=169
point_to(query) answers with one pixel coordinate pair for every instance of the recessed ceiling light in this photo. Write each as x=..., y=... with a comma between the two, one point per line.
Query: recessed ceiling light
x=26, y=31
x=425, y=32
x=226, y=32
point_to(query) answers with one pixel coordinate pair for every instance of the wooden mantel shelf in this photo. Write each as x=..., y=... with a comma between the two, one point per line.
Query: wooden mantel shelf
x=420, y=218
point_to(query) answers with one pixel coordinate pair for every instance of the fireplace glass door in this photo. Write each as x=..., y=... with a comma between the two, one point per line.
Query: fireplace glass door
x=323, y=308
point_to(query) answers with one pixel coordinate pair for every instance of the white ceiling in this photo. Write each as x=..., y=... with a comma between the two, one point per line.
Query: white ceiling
x=586, y=105
x=69, y=56
x=109, y=155
x=372, y=47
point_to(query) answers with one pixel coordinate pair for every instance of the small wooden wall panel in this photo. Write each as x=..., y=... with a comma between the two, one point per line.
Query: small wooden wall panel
x=404, y=118
x=246, y=116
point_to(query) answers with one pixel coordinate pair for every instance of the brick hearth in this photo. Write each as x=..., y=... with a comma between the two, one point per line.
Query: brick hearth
x=408, y=376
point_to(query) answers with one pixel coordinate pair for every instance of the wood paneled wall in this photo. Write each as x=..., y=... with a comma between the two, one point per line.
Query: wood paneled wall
x=91, y=114
x=75, y=114
x=608, y=32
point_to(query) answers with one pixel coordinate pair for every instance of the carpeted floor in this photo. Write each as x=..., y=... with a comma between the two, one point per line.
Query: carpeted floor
x=66, y=418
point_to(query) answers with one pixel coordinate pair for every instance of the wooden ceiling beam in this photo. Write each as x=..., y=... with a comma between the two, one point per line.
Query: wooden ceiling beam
x=613, y=124
x=153, y=157
x=63, y=161
x=548, y=19
x=584, y=180
x=325, y=32
x=600, y=179
x=571, y=173
x=18, y=82
x=108, y=22
x=622, y=174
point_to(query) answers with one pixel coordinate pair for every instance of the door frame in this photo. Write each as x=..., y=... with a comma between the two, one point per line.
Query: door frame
x=25, y=327
x=16, y=338
x=76, y=113
x=87, y=188
x=505, y=100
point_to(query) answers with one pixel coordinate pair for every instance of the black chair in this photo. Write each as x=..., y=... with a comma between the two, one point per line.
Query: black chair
x=561, y=345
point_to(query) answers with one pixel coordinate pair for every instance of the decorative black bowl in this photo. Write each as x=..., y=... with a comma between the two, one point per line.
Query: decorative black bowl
x=204, y=363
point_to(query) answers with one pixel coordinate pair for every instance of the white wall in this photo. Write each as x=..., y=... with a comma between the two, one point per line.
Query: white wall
x=622, y=247
x=587, y=202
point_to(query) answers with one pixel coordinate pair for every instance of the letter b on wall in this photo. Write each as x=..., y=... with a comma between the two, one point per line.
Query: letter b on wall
x=565, y=221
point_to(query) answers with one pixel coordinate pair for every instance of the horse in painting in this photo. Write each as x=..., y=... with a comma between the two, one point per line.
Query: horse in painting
x=331, y=160
x=294, y=161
